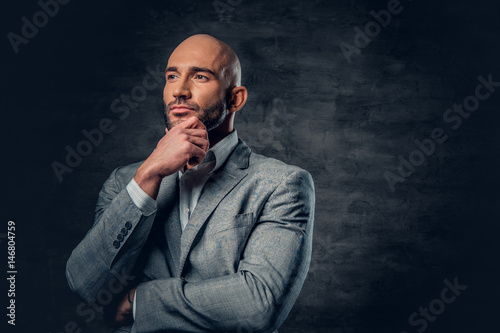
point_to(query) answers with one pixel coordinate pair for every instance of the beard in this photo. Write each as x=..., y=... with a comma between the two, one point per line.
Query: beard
x=212, y=116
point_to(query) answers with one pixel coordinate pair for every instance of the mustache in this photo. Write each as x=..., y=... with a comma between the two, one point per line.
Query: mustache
x=183, y=102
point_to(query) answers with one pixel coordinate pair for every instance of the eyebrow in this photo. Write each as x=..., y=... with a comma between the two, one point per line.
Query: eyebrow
x=192, y=69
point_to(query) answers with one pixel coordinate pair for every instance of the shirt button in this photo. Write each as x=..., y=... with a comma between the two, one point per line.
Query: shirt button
x=186, y=210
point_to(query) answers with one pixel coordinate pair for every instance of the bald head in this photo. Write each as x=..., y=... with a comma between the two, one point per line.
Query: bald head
x=219, y=55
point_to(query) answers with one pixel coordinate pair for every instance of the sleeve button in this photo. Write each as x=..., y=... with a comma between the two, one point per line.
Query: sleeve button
x=128, y=225
x=119, y=237
x=124, y=231
x=116, y=244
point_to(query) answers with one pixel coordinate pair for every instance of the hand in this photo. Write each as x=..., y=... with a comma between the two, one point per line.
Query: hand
x=184, y=145
x=123, y=314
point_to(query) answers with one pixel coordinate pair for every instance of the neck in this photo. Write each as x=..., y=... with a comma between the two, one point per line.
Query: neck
x=215, y=136
x=221, y=131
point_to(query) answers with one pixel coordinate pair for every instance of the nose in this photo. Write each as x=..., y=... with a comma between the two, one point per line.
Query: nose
x=181, y=89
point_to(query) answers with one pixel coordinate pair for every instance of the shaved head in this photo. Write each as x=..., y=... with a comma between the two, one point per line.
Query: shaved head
x=225, y=60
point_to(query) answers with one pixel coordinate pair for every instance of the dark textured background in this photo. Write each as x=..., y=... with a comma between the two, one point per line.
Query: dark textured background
x=378, y=255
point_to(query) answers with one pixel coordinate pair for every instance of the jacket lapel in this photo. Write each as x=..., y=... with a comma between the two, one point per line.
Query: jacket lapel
x=168, y=202
x=216, y=188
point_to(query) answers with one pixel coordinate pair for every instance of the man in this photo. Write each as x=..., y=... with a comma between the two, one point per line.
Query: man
x=218, y=238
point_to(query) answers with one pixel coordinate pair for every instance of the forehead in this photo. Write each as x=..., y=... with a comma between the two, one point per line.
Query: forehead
x=197, y=54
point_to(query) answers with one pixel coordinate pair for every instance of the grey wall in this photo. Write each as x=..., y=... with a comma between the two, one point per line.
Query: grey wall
x=379, y=253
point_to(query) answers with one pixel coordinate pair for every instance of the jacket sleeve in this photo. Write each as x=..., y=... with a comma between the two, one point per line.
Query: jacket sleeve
x=101, y=265
x=259, y=296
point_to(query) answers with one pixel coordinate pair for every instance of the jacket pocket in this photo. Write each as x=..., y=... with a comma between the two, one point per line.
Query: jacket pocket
x=238, y=221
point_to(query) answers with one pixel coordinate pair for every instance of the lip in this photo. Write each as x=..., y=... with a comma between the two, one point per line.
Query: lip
x=180, y=108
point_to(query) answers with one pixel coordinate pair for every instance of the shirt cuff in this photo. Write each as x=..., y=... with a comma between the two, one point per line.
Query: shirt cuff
x=133, y=304
x=140, y=198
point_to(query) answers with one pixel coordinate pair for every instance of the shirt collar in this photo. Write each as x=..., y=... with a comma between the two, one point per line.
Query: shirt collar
x=223, y=149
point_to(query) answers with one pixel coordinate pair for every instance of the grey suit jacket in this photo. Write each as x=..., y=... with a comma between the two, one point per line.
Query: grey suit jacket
x=238, y=266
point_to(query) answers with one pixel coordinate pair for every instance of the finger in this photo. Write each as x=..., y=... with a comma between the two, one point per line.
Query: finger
x=198, y=124
x=198, y=155
x=198, y=152
x=198, y=137
x=188, y=123
x=200, y=142
x=196, y=132
x=192, y=122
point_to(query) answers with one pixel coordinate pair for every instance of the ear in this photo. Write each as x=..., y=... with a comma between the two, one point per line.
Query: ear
x=238, y=99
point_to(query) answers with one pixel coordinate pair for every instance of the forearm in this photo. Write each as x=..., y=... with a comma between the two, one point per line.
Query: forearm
x=256, y=298
x=173, y=304
x=240, y=301
x=103, y=255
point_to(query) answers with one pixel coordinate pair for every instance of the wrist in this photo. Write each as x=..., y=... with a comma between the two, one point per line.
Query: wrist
x=148, y=181
x=146, y=175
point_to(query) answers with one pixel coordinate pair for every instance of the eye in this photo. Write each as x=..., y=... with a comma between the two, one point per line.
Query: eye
x=200, y=77
x=171, y=76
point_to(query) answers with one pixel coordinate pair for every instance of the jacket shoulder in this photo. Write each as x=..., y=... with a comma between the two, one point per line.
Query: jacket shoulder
x=122, y=175
x=271, y=168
